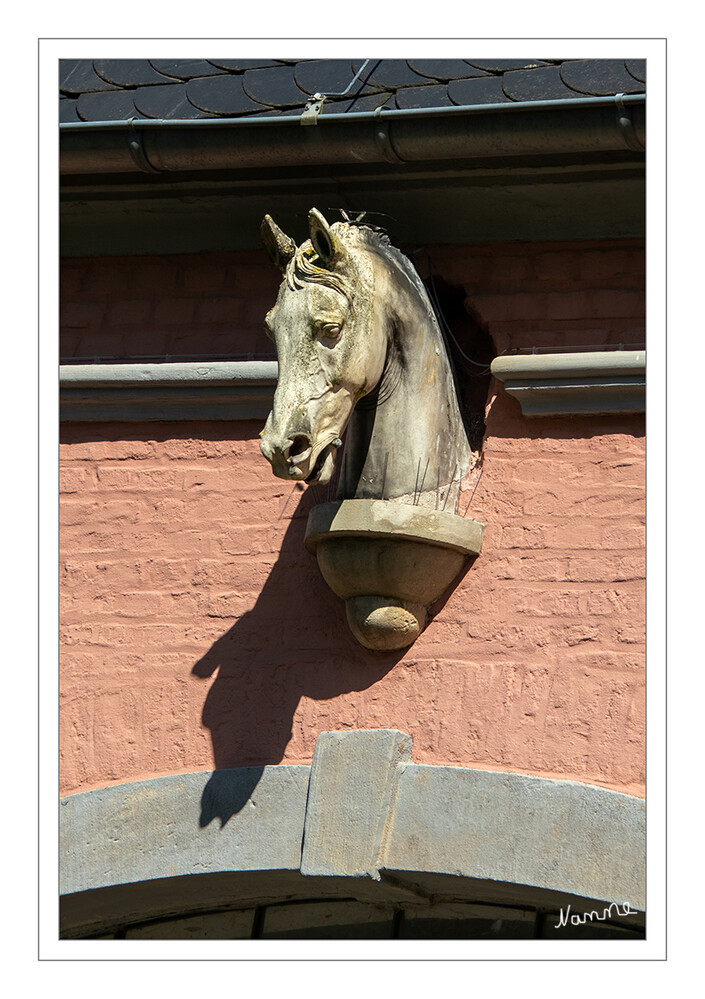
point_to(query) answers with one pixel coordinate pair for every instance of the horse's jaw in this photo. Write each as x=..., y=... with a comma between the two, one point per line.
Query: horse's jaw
x=324, y=466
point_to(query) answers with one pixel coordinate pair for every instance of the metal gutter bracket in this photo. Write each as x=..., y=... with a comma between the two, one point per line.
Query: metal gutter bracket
x=577, y=126
x=626, y=126
x=383, y=139
x=312, y=110
x=315, y=103
x=136, y=149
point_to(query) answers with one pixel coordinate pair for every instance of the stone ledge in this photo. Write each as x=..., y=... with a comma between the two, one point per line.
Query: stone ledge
x=212, y=390
x=595, y=383
x=358, y=518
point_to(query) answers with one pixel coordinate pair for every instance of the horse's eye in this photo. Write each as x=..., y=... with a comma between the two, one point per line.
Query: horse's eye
x=330, y=331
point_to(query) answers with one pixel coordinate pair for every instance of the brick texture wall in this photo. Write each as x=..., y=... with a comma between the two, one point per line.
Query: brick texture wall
x=197, y=632
x=182, y=305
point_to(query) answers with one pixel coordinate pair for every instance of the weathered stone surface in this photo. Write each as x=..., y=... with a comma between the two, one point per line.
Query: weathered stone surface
x=585, y=383
x=360, y=518
x=351, y=800
x=360, y=348
x=375, y=826
x=389, y=562
x=221, y=390
x=507, y=827
x=135, y=832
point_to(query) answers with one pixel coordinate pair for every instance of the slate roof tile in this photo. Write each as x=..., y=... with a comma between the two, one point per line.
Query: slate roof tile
x=328, y=76
x=365, y=102
x=77, y=76
x=165, y=102
x=223, y=95
x=600, y=77
x=116, y=105
x=386, y=73
x=484, y=90
x=67, y=110
x=118, y=89
x=444, y=69
x=505, y=65
x=240, y=65
x=273, y=87
x=542, y=84
x=430, y=96
x=637, y=68
x=128, y=72
x=186, y=69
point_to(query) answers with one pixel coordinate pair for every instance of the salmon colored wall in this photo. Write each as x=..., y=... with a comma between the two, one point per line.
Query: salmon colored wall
x=197, y=632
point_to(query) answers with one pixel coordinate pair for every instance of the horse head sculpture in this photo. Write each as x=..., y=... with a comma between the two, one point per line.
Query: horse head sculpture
x=359, y=347
x=361, y=354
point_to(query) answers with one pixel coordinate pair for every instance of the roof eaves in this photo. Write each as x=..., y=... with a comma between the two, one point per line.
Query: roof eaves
x=589, y=125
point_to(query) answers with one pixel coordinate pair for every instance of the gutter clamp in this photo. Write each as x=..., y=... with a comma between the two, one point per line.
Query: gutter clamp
x=383, y=139
x=312, y=110
x=136, y=149
x=626, y=126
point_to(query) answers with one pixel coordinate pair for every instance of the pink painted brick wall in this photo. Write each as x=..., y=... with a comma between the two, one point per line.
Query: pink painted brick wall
x=196, y=630
x=550, y=295
x=186, y=304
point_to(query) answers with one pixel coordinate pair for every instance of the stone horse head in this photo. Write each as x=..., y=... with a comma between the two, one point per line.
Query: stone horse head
x=360, y=349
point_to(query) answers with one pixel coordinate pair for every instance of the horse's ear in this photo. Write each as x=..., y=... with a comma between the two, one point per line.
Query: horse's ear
x=280, y=247
x=322, y=239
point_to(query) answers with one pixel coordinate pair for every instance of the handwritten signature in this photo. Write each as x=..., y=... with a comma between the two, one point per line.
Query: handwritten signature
x=579, y=919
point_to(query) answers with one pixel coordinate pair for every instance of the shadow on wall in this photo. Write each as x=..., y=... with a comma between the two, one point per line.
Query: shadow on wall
x=294, y=642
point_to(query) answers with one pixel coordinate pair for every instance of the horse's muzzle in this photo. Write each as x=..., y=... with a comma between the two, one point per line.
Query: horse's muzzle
x=298, y=460
x=289, y=458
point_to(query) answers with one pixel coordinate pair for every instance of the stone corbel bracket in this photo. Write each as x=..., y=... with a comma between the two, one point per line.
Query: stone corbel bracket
x=363, y=820
x=389, y=562
x=609, y=381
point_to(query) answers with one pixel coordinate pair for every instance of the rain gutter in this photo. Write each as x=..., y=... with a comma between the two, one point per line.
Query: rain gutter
x=580, y=126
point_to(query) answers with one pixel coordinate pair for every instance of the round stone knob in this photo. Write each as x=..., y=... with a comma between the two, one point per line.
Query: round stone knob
x=385, y=623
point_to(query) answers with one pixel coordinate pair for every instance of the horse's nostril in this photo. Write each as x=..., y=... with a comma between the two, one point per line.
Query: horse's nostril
x=298, y=446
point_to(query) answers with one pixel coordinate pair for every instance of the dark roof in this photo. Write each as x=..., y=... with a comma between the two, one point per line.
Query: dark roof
x=119, y=89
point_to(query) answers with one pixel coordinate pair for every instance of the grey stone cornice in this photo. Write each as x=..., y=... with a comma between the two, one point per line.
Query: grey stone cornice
x=363, y=820
x=544, y=384
x=194, y=390
x=584, y=383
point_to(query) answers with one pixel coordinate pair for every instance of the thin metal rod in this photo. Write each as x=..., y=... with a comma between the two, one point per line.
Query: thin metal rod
x=424, y=477
x=352, y=82
x=416, y=484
